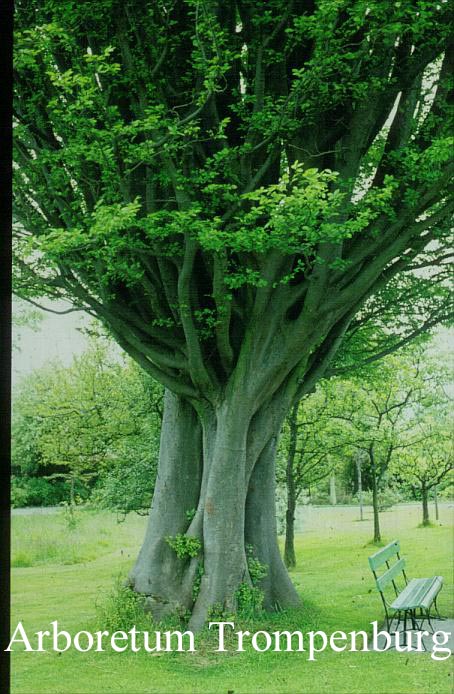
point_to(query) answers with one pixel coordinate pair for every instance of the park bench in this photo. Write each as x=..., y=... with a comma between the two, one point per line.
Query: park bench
x=409, y=596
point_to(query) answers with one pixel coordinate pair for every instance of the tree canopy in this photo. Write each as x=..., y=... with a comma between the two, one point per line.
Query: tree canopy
x=184, y=167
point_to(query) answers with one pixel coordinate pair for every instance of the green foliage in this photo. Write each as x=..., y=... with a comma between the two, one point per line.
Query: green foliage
x=121, y=609
x=217, y=613
x=23, y=316
x=249, y=595
x=256, y=569
x=36, y=491
x=430, y=460
x=391, y=413
x=128, y=485
x=313, y=443
x=184, y=546
x=95, y=422
x=250, y=600
x=387, y=499
x=197, y=580
x=174, y=165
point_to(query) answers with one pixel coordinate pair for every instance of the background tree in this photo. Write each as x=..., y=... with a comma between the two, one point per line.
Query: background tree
x=429, y=462
x=381, y=414
x=226, y=185
x=311, y=446
x=95, y=422
x=313, y=441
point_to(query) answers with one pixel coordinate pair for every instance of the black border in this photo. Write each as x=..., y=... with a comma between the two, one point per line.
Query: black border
x=6, y=23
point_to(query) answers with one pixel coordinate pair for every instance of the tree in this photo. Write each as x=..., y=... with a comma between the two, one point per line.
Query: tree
x=226, y=186
x=427, y=463
x=310, y=447
x=382, y=413
x=96, y=421
x=23, y=316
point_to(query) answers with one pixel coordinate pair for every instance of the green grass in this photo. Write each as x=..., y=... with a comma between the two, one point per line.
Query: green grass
x=332, y=577
x=47, y=538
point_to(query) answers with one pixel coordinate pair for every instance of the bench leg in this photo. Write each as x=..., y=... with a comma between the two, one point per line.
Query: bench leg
x=430, y=623
x=437, y=611
x=389, y=623
x=410, y=615
x=405, y=628
x=427, y=616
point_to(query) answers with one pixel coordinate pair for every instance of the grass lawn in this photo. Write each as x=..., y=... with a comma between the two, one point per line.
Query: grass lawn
x=60, y=574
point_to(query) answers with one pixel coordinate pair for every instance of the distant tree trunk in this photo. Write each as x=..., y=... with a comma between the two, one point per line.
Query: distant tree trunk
x=72, y=493
x=425, y=504
x=437, y=517
x=377, y=534
x=360, y=485
x=289, y=551
x=332, y=490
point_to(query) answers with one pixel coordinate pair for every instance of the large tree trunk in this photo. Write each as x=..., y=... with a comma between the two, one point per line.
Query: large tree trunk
x=216, y=484
x=158, y=573
x=261, y=531
x=425, y=505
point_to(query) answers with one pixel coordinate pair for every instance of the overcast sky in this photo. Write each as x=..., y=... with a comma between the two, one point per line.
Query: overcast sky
x=58, y=336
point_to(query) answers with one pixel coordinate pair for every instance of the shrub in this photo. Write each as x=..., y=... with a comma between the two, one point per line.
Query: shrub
x=250, y=597
x=122, y=609
x=320, y=497
x=387, y=498
x=250, y=600
x=37, y=491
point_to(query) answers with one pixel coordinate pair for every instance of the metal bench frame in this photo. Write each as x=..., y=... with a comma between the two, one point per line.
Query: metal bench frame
x=409, y=612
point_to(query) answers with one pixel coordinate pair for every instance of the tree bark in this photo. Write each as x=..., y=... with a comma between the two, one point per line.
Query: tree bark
x=158, y=573
x=216, y=483
x=437, y=515
x=261, y=531
x=377, y=534
x=360, y=485
x=332, y=490
x=425, y=505
x=289, y=551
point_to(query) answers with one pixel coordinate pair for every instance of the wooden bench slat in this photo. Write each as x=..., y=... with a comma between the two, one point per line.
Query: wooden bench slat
x=386, y=578
x=379, y=558
x=432, y=592
x=420, y=592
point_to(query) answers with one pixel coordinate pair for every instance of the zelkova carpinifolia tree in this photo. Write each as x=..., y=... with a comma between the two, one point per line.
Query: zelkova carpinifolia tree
x=225, y=184
x=427, y=463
